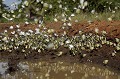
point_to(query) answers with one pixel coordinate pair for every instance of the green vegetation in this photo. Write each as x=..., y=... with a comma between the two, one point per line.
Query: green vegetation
x=30, y=10
x=98, y=16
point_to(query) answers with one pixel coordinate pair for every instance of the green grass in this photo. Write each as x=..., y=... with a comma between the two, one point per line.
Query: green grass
x=90, y=17
x=80, y=17
x=98, y=16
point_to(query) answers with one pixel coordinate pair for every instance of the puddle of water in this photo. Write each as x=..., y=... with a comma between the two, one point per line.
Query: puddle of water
x=58, y=70
x=3, y=67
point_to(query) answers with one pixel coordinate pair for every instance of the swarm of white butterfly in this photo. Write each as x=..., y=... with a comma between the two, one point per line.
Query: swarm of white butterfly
x=46, y=39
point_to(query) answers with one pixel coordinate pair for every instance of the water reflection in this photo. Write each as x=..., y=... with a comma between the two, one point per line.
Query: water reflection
x=58, y=70
x=3, y=67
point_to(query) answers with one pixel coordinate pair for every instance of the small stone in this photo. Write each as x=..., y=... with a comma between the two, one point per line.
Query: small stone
x=50, y=46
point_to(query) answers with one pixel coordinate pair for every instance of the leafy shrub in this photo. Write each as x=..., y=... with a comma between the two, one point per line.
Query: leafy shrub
x=70, y=6
x=103, y=5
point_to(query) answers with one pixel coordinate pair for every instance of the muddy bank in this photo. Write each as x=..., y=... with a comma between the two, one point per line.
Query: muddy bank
x=96, y=56
x=102, y=56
